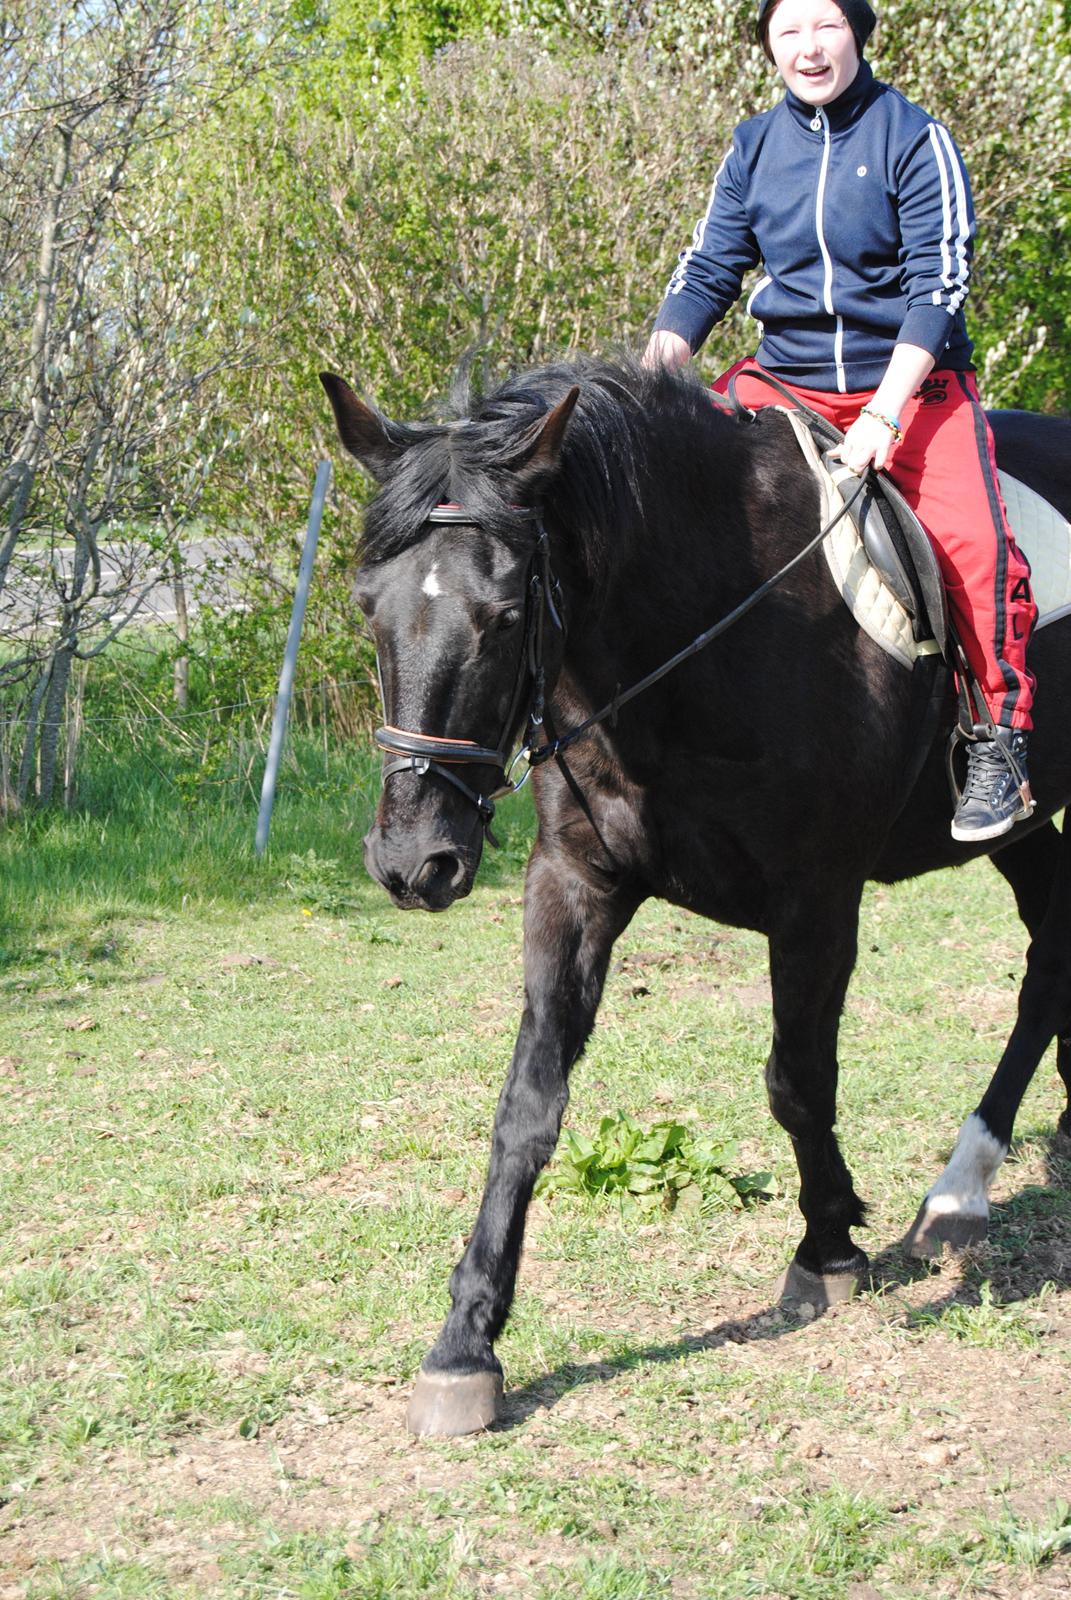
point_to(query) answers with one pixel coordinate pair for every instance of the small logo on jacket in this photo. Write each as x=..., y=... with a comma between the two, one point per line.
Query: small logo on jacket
x=934, y=392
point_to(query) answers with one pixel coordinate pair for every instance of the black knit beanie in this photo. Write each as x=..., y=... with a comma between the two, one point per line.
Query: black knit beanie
x=861, y=20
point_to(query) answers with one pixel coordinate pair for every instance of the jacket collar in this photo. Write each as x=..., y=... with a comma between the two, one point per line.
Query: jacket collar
x=842, y=112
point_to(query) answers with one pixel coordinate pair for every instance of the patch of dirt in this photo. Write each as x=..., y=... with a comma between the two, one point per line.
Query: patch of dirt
x=991, y=1010
x=753, y=994
x=232, y=962
x=701, y=952
x=360, y=1183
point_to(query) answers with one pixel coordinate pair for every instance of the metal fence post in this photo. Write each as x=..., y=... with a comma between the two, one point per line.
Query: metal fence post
x=293, y=639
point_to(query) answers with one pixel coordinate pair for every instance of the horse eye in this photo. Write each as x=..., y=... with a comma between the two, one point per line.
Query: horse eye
x=508, y=618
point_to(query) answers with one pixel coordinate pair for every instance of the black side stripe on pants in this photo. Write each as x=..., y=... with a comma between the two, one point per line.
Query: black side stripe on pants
x=1011, y=699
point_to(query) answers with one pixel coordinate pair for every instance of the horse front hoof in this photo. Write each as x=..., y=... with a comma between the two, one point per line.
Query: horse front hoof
x=932, y=1230
x=797, y=1286
x=449, y=1404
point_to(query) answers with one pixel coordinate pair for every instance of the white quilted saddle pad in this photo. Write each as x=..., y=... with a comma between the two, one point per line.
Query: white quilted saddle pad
x=1041, y=533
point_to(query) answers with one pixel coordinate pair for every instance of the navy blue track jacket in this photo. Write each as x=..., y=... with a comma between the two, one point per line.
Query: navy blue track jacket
x=861, y=214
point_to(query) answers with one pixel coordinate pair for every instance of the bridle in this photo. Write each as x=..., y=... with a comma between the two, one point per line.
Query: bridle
x=426, y=752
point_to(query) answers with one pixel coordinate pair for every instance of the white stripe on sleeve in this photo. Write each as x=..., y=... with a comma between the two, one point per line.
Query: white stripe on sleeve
x=963, y=269
x=680, y=275
x=946, y=214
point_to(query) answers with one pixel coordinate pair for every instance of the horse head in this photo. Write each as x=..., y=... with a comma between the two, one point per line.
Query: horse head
x=453, y=582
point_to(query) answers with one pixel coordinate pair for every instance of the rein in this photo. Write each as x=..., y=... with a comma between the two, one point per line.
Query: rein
x=423, y=753
x=548, y=751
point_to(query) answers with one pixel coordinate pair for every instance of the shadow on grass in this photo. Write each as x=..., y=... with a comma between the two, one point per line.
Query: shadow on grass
x=544, y=1393
x=1030, y=1247
x=1027, y=1252
x=1058, y=1155
x=891, y=1268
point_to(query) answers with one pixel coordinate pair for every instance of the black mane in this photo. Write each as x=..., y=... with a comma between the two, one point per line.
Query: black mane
x=625, y=420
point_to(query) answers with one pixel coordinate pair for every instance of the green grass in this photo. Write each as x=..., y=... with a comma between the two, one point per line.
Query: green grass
x=247, y=1108
x=989, y=1325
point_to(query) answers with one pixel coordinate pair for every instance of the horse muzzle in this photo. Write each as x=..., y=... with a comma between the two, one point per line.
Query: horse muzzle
x=420, y=875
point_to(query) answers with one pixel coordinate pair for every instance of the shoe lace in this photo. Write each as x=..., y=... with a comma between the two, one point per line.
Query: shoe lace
x=987, y=763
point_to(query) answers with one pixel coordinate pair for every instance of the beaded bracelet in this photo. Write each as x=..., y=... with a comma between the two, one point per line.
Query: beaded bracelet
x=892, y=423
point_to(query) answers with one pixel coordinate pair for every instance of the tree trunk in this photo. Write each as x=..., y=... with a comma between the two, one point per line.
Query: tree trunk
x=182, y=632
x=74, y=737
x=28, y=764
x=52, y=722
x=16, y=513
x=7, y=793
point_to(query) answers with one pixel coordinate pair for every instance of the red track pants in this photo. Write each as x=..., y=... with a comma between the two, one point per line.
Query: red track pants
x=945, y=467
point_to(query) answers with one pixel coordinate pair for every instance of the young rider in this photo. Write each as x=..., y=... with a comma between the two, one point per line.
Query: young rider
x=858, y=206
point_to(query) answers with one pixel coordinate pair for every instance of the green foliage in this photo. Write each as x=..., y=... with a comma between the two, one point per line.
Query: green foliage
x=379, y=44
x=657, y=1169
x=320, y=885
x=1028, y=1543
x=987, y=1325
x=399, y=1563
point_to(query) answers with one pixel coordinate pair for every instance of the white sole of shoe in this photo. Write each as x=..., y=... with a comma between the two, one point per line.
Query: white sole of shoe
x=979, y=835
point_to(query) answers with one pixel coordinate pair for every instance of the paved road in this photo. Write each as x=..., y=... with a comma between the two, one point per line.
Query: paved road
x=215, y=573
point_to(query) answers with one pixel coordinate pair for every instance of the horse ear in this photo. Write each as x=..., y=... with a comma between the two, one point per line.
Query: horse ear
x=362, y=430
x=543, y=447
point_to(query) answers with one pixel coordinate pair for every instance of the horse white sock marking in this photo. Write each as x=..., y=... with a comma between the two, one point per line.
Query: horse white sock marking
x=431, y=585
x=963, y=1186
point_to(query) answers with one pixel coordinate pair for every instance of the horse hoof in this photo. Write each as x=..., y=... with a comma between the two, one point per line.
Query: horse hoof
x=449, y=1404
x=932, y=1230
x=796, y=1286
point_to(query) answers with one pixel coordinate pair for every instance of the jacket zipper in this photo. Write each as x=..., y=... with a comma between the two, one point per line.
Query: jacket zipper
x=820, y=124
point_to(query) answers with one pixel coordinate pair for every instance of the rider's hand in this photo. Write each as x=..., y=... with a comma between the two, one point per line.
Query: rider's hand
x=868, y=442
x=666, y=349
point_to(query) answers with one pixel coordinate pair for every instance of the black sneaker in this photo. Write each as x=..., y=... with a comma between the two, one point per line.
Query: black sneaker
x=996, y=794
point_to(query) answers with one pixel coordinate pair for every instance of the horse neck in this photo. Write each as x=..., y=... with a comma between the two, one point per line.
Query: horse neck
x=681, y=554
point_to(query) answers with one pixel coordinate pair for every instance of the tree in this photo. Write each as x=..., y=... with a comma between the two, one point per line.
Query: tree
x=108, y=332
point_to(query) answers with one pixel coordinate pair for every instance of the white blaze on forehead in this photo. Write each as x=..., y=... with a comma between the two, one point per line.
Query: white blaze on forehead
x=431, y=585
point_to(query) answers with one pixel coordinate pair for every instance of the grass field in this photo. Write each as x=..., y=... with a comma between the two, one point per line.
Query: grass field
x=247, y=1112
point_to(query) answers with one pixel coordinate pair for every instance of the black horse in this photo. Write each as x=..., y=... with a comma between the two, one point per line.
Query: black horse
x=761, y=783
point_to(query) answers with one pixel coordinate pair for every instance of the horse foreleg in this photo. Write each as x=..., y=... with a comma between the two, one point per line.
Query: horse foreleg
x=812, y=954
x=956, y=1210
x=570, y=929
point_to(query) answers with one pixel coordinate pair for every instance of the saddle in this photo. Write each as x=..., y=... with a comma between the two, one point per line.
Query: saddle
x=879, y=554
x=881, y=558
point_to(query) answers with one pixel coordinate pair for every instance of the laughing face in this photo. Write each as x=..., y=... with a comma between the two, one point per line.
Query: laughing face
x=814, y=49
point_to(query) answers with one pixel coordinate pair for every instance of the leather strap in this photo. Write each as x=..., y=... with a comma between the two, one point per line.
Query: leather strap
x=429, y=746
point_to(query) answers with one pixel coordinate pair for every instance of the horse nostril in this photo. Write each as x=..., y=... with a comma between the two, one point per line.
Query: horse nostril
x=443, y=869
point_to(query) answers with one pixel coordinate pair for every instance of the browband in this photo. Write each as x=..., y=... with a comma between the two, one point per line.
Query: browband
x=450, y=511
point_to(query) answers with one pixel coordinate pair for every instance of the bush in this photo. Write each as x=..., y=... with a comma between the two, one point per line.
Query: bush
x=527, y=196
